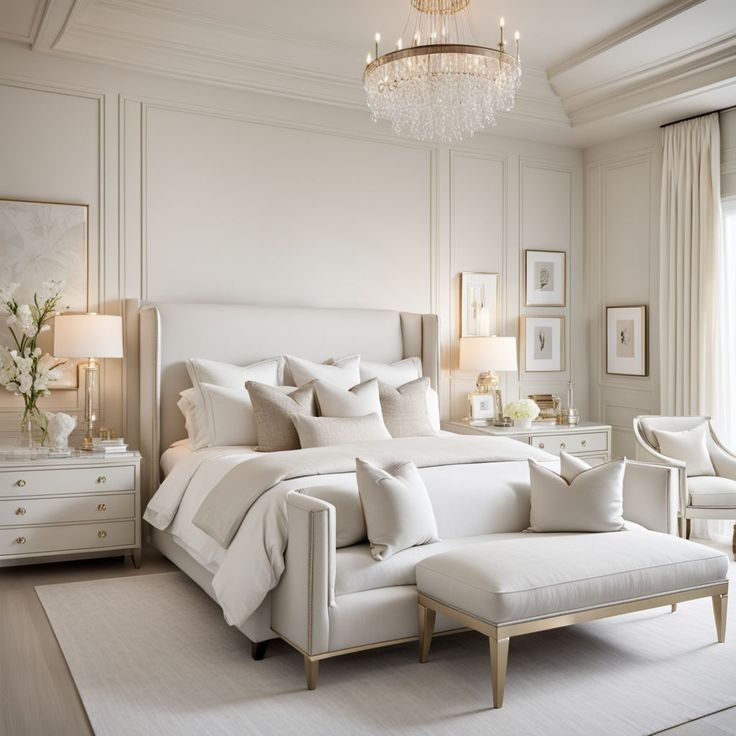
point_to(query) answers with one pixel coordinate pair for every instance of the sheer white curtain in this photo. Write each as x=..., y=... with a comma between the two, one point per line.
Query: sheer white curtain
x=696, y=369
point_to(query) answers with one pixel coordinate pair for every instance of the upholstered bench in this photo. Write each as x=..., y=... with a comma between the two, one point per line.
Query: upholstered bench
x=510, y=587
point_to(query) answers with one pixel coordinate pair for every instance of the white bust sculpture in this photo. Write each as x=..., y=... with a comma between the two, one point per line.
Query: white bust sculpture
x=59, y=427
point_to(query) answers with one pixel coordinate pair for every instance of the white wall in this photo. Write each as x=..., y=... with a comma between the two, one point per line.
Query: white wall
x=210, y=194
x=622, y=199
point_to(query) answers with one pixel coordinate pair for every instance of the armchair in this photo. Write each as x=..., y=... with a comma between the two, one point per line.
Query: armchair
x=701, y=497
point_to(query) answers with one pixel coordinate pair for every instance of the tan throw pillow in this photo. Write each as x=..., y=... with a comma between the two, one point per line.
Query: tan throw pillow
x=325, y=431
x=405, y=409
x=580, y=499
x=359, y=401
x=398, y=512
x=689, y=446
x=273, y=410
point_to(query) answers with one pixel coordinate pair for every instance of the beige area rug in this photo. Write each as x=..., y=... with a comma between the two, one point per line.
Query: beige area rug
x=152, y=655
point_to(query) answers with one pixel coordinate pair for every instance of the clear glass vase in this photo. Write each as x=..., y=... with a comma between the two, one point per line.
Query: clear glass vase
x=31, y=434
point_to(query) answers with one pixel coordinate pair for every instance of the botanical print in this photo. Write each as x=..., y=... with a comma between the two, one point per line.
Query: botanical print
x=544, y=276
x=479, y=300
x=543, y=343
x=625, y=338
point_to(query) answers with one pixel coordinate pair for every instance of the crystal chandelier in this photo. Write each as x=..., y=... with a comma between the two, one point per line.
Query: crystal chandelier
x=441, y=86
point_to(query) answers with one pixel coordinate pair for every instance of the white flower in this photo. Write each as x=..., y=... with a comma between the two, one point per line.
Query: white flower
x=25, y=383
x=6, y=295
x=23, y=321
x=523, y=409
x=50, y=289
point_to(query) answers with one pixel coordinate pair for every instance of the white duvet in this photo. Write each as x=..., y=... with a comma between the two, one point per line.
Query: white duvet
x=253, y=562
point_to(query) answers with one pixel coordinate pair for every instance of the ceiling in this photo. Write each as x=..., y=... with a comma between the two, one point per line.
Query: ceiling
x=593, y=69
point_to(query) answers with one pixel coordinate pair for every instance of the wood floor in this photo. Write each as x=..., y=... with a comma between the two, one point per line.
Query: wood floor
x=37, y=693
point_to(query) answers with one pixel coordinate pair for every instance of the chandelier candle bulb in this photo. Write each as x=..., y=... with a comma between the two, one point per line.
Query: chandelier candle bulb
x=517, y=36
x=377, y=39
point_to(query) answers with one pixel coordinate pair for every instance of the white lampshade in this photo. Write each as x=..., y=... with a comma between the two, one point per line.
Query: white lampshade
x=88, y=336
x=488, y=353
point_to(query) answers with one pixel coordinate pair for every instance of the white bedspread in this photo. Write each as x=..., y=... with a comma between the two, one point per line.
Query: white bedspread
x=253, y=562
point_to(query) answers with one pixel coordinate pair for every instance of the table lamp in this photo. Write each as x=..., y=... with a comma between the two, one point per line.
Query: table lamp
x=487, y=355
x=88, y=336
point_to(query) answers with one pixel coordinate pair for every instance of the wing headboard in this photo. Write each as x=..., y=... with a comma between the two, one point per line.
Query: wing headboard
x=169, y=333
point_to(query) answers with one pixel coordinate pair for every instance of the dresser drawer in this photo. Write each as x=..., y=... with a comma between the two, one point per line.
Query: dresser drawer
x=590, y=442
x=72, y=538
x=65, y=509
x=42, y=482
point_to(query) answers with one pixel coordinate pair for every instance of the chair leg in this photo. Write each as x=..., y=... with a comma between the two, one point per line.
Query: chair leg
x=427, y=618
x=687, y=528
x=499, y=660
x=720, y=609
x=258, y=649
x=311, y=670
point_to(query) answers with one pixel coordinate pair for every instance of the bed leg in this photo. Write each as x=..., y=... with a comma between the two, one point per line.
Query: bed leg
x=311, y=670
x=258, y=649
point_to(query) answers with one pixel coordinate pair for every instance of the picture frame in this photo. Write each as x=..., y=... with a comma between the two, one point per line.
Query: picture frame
x=482, y=406
x=544, y=343
x=478, y=304
x=545, y=276
x=41, y=240
x=627, y=341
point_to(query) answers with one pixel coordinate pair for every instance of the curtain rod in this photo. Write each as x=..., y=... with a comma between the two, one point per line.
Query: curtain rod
x=702, y=115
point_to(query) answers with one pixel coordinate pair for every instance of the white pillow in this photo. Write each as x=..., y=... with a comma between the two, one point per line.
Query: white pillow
x=394, y=374
x=690, y=446
x=359, y=401
x=269, y=371
x=326, y=431
x=190, y=405
x=398, y=512
x=580, y=499
x=344, y=372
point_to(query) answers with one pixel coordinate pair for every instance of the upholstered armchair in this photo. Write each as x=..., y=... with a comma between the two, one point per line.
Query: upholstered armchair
x=701, y=496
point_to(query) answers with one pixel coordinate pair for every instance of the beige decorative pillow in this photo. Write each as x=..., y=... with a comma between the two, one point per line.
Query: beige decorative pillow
x=325, y=431
x=404, y=408
x=359, y=401
x=398, y=512
x=273, y=410
x=580, y=499
x=689, y=446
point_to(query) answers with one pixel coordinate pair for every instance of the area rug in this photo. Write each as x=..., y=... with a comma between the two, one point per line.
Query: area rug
x=152, y=655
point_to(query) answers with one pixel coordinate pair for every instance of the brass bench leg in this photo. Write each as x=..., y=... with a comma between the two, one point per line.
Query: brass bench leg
x=311, y=670
x=427, y=618
x=720, y=608
x=499, y=660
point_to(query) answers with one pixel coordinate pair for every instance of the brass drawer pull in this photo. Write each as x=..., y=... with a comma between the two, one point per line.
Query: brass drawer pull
x=20, y=483
x=21, y=540
x=102, y=507
x=102, y=479
x=562, y=445
x=20, y=511
x=541, y=445
x=584, y=443
x=102, y=534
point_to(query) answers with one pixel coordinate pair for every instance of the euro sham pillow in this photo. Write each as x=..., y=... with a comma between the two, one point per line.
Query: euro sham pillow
x=394, y=374
x=404, y=409
x=579, y=499
x=359, y=401
x=344, y=372
x=195, y=418
x=397, y=509
x=273, y=409
x=326, y=431
x=690, y=446
x=269, y=372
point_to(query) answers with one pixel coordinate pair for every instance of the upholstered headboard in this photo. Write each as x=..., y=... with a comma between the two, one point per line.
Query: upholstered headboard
x=171, y=333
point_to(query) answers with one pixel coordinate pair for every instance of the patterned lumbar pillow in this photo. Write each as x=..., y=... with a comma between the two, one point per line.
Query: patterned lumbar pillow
x=273, y=409
x=325, y=431
x=579, y=499
x=398, y=512
x=359, y=401
x=404, y=408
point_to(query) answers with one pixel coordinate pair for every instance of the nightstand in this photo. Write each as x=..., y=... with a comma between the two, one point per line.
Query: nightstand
x=586, y=440
x=54, y=509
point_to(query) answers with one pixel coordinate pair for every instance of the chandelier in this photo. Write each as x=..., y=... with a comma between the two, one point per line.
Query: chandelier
x=440, y=85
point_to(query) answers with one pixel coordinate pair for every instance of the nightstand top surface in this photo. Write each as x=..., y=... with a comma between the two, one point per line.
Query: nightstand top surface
x=77, y=459
x=534, y=429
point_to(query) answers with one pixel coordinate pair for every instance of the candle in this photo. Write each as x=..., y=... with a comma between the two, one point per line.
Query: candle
x=517, y=36
x=502, y=24
x=378, y=40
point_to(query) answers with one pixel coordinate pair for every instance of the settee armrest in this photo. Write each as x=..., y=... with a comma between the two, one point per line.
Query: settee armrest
x=651, y=494
x=302, y=599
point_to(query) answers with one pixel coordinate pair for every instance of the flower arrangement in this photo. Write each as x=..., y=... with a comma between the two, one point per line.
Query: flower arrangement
x=522, y=409
x=25, y=369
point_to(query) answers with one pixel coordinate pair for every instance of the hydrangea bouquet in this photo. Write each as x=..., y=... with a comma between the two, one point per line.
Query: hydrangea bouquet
x=25, y=369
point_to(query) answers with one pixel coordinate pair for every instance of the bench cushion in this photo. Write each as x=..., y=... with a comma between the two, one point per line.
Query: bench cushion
x=512, y=580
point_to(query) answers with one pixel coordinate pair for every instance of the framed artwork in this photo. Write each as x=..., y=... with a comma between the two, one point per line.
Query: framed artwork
x=545, y=278
x=40, y=241
x=479, y=304
x=543, y=344
x=627, y=341
x=482, y=406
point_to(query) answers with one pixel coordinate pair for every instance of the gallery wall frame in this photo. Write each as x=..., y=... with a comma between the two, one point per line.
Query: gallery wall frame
x=543, y=338
x=627, y=340
x=479, y=300
x=545, y=278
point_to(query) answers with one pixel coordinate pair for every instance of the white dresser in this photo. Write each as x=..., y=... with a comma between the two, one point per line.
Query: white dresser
x=587, y=440
x=81, y=506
